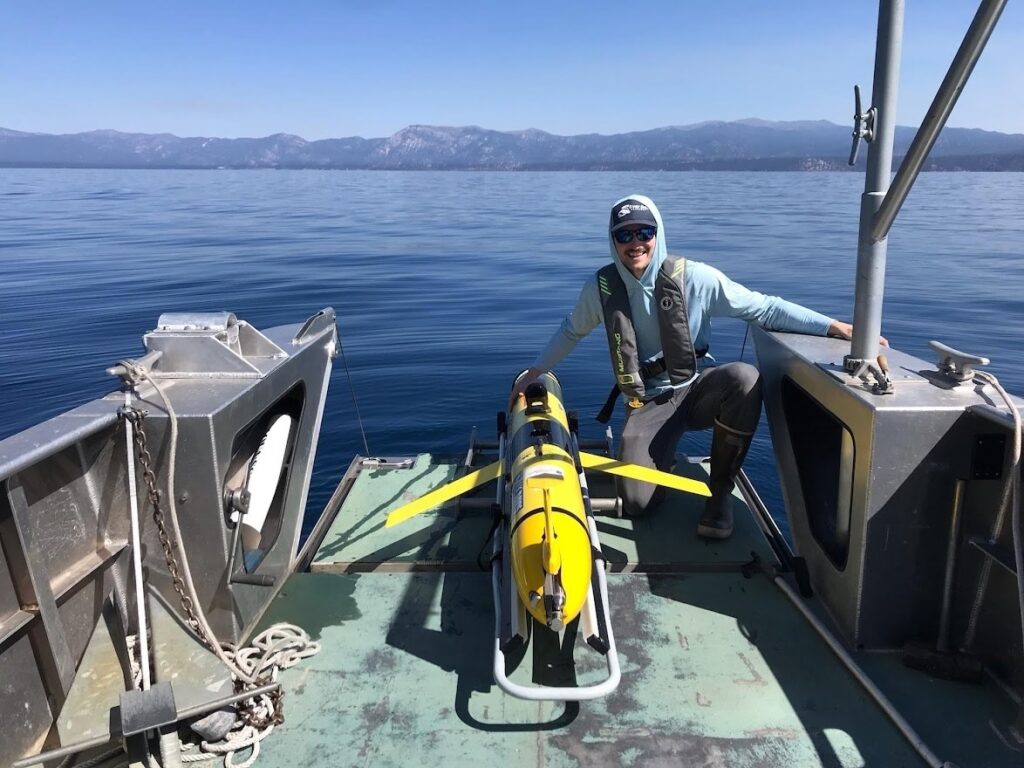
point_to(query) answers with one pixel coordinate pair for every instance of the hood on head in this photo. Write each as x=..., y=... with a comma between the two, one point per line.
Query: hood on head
x=647, y=279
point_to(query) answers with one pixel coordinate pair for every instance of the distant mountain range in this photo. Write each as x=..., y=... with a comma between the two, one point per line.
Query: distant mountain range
x=747, y=145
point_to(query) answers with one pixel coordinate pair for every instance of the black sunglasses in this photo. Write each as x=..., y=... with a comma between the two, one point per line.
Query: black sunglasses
x=644, y=235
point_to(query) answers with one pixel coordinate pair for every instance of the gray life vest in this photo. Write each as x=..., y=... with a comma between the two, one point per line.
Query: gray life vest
x=680, y=359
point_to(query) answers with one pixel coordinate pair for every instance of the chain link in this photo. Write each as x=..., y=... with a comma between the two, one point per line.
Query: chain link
x=136, y=417
x=247, y=714
x=250, y=714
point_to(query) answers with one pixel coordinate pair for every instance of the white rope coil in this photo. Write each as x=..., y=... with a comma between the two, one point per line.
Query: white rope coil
x=242, y=738
x=278, y=647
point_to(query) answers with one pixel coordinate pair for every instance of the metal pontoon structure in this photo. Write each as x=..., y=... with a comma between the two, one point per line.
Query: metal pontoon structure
x=899, y=479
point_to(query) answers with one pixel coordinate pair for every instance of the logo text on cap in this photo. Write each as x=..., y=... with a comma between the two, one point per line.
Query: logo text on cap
x=629, y=208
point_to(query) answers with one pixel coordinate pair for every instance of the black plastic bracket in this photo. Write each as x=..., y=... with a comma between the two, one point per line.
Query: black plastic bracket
x=803, y=577
x=145, y=710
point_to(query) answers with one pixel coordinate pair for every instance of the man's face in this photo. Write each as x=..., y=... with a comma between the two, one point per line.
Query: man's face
x=635, y=254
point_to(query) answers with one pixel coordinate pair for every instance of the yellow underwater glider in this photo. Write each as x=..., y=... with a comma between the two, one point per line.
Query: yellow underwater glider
x=547, y=559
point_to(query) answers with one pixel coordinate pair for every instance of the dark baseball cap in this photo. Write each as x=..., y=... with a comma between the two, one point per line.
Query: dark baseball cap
x=631, y=211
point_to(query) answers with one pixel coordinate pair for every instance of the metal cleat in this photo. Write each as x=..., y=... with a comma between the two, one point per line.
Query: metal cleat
x=956, y=365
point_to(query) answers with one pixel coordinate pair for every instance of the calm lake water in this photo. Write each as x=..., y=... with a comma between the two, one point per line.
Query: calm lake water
x=446, y=284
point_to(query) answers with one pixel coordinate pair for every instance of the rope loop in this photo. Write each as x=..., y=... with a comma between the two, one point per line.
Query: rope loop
x=278, y=647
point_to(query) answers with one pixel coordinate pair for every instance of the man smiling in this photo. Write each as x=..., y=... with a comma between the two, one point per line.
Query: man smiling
x=657, y=312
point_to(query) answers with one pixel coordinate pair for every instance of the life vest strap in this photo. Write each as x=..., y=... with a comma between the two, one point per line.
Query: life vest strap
x=648, y=371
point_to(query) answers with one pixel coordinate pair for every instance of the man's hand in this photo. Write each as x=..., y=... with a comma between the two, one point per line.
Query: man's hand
x=841, y=330
x=526, y=378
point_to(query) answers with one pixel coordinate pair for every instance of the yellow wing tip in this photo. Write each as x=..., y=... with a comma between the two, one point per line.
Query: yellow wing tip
x=439, y=496
x=644, y=474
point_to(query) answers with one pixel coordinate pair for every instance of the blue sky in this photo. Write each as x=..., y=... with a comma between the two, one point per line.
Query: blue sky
x=332, y=69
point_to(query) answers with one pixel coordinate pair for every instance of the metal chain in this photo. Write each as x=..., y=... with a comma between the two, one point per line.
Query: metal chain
x=136, y=417
x=246, y=713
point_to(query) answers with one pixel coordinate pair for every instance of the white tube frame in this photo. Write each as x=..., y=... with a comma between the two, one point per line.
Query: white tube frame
x=558, y=693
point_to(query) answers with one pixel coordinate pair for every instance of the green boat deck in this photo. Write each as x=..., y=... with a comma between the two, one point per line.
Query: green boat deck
x=719, y=668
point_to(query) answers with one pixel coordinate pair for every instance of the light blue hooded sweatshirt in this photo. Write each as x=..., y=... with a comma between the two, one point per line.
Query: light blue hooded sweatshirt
x=709, y=294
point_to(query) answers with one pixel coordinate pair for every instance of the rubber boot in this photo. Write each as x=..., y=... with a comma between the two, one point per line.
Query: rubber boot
x=728, y=449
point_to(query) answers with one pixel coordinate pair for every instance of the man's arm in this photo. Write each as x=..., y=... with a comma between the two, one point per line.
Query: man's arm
x=841, y=330
x=584, y=318
x=725, y=298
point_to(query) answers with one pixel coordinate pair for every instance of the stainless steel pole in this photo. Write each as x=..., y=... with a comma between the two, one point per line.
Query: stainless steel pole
x=862, y=677
x=951, y=550
x=136, y=526
x=867, y=309
x=952, y=86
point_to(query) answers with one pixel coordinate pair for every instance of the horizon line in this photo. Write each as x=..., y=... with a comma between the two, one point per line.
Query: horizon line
x=699, y=124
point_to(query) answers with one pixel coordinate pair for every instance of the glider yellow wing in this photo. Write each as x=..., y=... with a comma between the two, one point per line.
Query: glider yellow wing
x=645, y=474
x=445, y=493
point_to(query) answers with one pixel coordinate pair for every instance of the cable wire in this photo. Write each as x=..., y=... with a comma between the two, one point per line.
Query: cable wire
x=352, y=389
